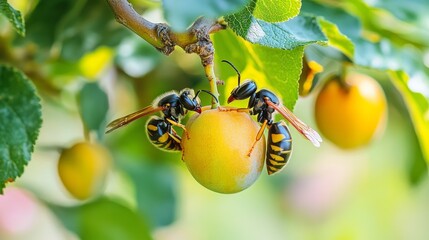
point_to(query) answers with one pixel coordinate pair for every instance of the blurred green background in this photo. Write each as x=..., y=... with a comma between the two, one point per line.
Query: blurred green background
x=379, y=191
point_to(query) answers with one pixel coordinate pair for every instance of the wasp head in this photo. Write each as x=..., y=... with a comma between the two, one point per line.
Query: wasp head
x=190, y=100
x=243, y=91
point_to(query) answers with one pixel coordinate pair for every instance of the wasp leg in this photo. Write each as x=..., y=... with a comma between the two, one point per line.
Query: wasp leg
x=258, y=136
x=183, y=154
x=179, y=125
x=205, y=108
x=176, y=137
x=224, y=109
x=174, y=133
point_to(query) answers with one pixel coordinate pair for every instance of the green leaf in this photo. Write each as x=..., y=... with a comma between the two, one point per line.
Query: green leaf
x=417, y=168
x=13, y=16
x=137, y=58
x=347, y=24
x=383, y=23
x=103, y=219
x=418, y=108
x=180, y=14
x=88, y=27
x=106, y=219
x=274, y=69
x=384, y=55
x=43, y=21
x=413, y=12
x=20, y=121
x=350, y=15
x=74, y=28
x=155, y=190
x=336, y=39
x=276, y=10
x=381, y=54
x=93, y=106
x=298, y=31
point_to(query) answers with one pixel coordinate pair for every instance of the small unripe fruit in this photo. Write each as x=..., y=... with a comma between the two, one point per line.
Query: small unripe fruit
x=83, y=169
x=349, y=112
x=217, y=152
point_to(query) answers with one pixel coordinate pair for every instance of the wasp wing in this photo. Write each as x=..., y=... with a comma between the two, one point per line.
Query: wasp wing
x=302, y=128
x=122, y=121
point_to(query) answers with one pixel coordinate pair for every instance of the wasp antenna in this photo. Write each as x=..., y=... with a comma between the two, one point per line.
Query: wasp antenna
x=238, y=73
x=208, y=93
x=196, y=95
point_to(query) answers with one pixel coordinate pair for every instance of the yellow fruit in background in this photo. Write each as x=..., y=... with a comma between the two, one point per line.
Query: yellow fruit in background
x=216, y=153
x=93, y=63
x=83, y=169
x=350, y=112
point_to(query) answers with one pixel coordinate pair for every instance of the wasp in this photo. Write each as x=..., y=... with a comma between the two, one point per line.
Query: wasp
x=264, y=103
x=173, y=106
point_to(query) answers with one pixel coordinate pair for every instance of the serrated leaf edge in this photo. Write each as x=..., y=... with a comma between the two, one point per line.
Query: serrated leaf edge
x=39, y=123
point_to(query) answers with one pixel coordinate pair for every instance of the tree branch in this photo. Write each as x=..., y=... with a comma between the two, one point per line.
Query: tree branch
x=196, y=39
x=160, y=35
x=127, y=16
